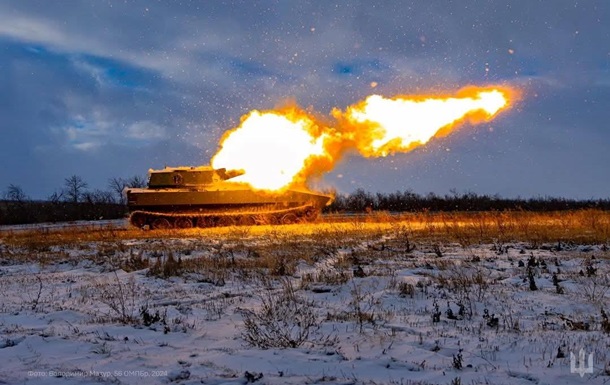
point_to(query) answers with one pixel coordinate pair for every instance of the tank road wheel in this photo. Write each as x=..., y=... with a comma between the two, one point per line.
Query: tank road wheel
x=273, y=219
x=260, y=219
x=289, y=218
x=266, y=219
x=225, y=220
x=311, y=214
x=184, y=223
x=161, y=224
x=203, y=222
x=138, y=220
x=246, y=220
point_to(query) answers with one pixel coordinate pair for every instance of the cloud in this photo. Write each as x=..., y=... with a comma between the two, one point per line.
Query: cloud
x=146, y=131
x=95, y=132
x=158, y=83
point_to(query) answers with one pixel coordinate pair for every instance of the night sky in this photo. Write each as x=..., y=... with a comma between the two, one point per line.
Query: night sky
x=105, y=89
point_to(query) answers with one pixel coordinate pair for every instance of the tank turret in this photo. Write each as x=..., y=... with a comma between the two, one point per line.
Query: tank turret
x=185, y=197
x=178, y=177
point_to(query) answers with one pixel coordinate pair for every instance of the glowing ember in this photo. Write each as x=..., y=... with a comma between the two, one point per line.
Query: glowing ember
x=277, y=149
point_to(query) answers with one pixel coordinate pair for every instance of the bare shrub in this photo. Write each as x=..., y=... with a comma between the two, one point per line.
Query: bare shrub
x=216, y=308
x=405, y=289
x=362, y=307
x=214, y=269
x=441, y=264
x=437, y=250
x=467, y=284
x=510, y=319
x=325, y=276
x=281, y=265
x=149, y=318
x=436, y=314
x=120, y=297
x=135, y=262
x=575, y=325
x=531, y=277
x=166, y=267
x=284, y=320
x=594, y=288
x=458, y=360
x=34, y=291
x=36, y=298
x=605, y=322
x=102, y=349
x=403, y=235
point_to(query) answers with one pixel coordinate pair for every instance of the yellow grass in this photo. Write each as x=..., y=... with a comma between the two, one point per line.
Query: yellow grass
x=583, y=226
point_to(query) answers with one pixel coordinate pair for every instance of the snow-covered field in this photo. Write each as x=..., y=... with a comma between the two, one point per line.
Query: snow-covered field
x=240, y=306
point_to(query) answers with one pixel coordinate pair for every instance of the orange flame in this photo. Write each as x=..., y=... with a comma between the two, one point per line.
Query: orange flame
x=278, y=149
x=403, y=123
x=271, y=147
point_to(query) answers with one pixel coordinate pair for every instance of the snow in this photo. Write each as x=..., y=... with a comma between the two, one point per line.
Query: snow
x=60, y=316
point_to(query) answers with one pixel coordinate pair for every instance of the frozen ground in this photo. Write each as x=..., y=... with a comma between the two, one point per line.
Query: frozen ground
x=307, y=310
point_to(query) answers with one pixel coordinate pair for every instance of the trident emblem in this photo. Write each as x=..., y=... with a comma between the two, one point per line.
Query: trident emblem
x=581, y=368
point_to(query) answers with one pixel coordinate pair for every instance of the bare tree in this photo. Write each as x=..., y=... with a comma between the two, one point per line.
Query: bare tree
x=136, y=181
x=117, y=185
x=74, y=187
x=15, y=193
x=98, y=197
x=56, y=197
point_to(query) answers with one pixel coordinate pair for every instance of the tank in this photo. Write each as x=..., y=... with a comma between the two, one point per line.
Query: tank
x=185, y=197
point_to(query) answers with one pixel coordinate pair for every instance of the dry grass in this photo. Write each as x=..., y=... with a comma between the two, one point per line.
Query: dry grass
x=584, y=227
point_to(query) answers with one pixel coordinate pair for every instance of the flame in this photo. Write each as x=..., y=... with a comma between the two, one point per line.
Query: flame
x=403, y=123
x=281, y=148
x=271, y=147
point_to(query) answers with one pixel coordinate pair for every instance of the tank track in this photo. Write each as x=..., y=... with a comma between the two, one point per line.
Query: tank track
x=256, y=216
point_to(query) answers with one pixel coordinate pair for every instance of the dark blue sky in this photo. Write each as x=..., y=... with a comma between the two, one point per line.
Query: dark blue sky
x=107, y=89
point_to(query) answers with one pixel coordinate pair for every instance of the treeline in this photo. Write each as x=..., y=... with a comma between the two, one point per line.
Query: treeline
x=12, y=213
x=362, y=201
x=73, y=201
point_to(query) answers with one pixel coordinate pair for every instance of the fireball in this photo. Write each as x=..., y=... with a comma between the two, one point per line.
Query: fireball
x=272, y=148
